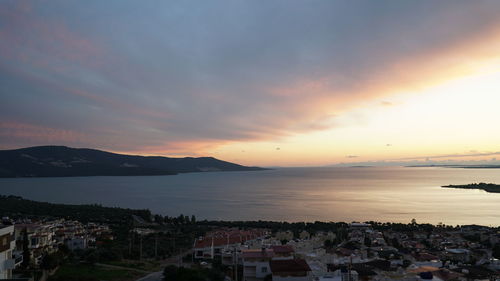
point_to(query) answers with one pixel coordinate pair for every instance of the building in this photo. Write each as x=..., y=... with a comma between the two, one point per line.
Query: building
x=359, y=226
x=223, y=243
x=41, y=239
x=76, y=243
x=458, y=255
x=290, y=270
x=7, y=246
x=283, y=252
x=256, y=264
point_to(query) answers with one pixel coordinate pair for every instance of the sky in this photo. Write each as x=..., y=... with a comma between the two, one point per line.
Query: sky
x=269, y=83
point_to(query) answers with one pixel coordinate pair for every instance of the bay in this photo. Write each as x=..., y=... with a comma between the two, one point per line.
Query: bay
x=388, y=194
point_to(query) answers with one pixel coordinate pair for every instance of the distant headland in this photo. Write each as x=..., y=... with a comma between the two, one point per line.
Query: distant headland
x=62, y=161
x=488, y=187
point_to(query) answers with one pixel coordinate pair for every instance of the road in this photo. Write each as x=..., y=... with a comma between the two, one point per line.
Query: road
x=155, y=276
x=158, y=276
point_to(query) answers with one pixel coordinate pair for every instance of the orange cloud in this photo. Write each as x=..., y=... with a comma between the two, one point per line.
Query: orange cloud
x=311, y=99
x=17, y=131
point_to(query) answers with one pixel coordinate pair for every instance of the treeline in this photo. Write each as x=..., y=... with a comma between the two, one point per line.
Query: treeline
x=181, y=219
x=335, y=227
x=15, y=206
x=275, y=226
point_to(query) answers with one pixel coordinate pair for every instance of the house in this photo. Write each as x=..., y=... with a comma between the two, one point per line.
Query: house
x=7, y=246
x=76, y=243
x=359, y=226
x=282, y=252
x=41, y=239
x=457, y=255
x=223, y=243
x=256, y=263
x=290, y=270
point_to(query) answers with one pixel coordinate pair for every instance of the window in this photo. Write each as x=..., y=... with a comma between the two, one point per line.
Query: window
x=4, y=241
x=264, y=270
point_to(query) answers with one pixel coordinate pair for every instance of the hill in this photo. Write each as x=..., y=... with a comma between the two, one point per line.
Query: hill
x=62, y=161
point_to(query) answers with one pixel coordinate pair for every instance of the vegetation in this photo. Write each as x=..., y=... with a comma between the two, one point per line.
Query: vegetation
x=82, y=272
x=496, y=251
x=173, y=273
x=15, y=206
x=26, y=250
x=488, y=187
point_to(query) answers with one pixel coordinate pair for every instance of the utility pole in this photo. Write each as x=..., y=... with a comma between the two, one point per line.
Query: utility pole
x=235, y=264
x=140, y=249
x=156, y=246
x=130, y=244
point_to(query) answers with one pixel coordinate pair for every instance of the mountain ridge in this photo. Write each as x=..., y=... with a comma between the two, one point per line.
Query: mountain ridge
x=63, y=161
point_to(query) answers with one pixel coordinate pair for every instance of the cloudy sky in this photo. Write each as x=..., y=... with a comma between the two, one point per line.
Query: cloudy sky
x=257, y=82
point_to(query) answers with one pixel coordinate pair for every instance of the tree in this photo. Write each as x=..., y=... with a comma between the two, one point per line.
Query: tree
x=91, y=256
x=395, y=243
x=193, y=219
x=26, y=249
x=49, y=261
x=180, y=219
x=368, y=242
x=158, y=219
x=496, y=251
x=173, y=273
x=328, y=244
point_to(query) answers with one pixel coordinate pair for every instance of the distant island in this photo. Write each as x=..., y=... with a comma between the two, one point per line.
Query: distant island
x=62, y=161
x=488, y=187
x=457, y=166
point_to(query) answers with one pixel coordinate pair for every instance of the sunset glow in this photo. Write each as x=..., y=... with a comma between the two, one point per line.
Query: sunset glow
x=425, y=89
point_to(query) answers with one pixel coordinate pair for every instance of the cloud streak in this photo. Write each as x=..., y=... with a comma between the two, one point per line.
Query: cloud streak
x=180, y=77
x=458, y=155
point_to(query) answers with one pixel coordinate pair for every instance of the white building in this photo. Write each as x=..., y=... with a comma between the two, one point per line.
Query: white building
x=256, y=264
x=7, y=245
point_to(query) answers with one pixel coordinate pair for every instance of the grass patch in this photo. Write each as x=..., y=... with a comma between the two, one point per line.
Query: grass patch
x=84, y=272
x=142, y=265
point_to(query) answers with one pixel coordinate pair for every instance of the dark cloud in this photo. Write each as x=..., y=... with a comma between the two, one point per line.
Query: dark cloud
x=132, y=75
x=458, y=155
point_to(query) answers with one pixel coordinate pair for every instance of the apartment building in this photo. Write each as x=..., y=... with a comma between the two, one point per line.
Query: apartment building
x=256, y=263
x=7, y=246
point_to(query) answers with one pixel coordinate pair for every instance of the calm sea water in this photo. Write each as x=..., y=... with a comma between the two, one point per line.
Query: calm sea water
x=292, y=194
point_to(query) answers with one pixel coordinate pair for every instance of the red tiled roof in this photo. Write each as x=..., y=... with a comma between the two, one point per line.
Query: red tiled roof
x=344, y=251
x=282, y=249
x=223, y=237
x=295, y=265
x=257, y=253
x=425, y=257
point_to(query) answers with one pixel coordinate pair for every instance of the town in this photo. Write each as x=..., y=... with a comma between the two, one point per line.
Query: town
x=253, y=251
x=366, y=251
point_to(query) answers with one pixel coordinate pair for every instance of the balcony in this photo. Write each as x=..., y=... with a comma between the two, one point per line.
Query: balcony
x=18, y=260
x=9, y=264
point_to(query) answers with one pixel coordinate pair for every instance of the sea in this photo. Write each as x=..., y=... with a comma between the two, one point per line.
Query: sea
x=385, y=194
